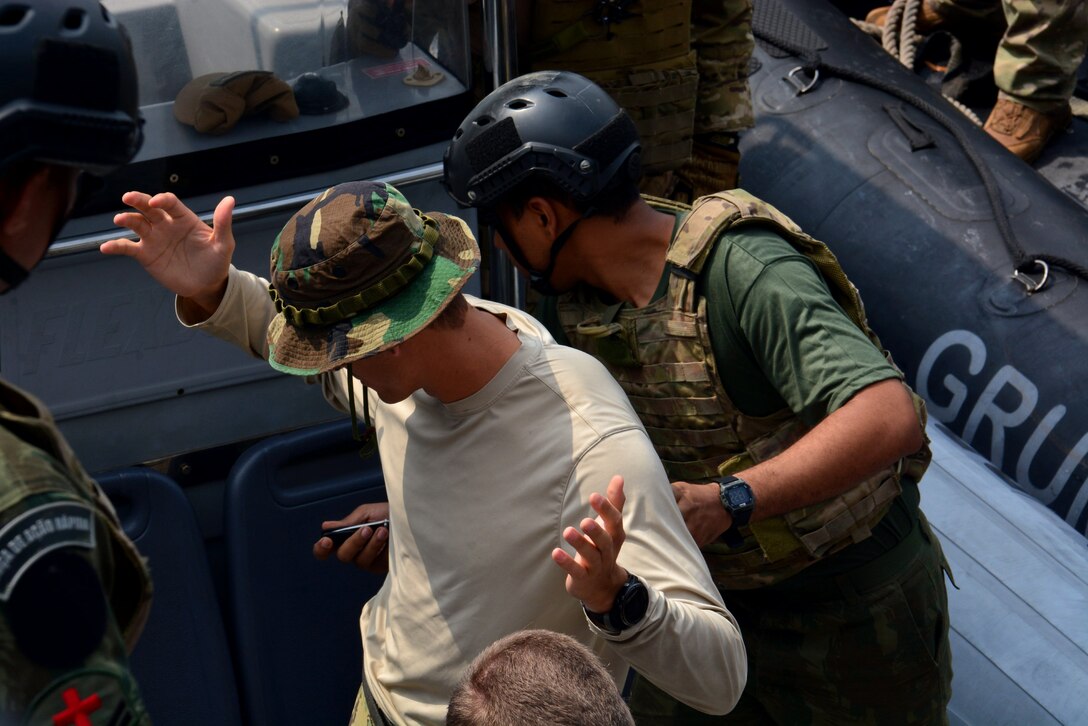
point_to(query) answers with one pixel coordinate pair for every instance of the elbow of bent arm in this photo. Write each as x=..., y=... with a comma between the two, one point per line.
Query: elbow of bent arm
x=725, y=691
x=724, y=684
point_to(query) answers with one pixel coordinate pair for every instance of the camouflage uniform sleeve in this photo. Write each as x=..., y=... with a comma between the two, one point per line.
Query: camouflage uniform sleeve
x=62, y=652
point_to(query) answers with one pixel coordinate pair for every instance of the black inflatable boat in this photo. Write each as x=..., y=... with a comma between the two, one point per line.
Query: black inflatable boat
x=971, y=263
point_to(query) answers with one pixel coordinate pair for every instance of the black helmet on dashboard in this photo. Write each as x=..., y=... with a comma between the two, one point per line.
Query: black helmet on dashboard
x=69, y=94
x=550, y=125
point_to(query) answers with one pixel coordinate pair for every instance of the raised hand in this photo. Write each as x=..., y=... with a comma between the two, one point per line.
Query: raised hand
x=182, y=253
x=593, y=576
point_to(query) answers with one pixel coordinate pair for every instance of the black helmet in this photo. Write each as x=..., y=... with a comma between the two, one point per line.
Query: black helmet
x=69, y=94
x=555, y=125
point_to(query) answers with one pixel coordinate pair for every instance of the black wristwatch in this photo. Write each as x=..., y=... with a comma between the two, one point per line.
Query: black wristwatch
x=739, y=500
x=628, y=608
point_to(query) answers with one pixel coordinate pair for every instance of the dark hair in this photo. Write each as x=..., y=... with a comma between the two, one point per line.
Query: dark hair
x=537, y=678
x=613, y=201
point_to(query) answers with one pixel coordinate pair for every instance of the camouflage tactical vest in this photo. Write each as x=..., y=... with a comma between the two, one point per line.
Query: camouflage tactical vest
x=662, y=357
x=36, y=461
x=644, y=61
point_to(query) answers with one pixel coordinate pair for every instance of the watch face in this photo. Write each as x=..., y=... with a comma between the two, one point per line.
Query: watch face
x=739, y=496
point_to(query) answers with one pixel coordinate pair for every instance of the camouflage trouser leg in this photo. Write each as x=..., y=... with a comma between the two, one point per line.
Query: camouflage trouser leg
x=1037, y=60
x=876, y=654
x=723, y=42
x=1043, y=45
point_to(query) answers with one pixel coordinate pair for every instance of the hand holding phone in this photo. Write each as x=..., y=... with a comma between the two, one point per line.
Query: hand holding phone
x=370, y=554
x=339, y=534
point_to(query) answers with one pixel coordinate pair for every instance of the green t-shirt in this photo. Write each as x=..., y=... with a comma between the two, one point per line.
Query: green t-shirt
x=780, y=339
x=778, y=335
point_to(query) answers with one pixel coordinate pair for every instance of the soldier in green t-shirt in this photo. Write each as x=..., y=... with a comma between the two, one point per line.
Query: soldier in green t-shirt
x=794, y=447
x=74, y=592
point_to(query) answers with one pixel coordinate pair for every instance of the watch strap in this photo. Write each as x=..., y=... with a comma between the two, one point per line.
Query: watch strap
x=619, y=618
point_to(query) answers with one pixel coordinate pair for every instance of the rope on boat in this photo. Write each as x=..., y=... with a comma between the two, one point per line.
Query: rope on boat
x=813, y=62
x=900, y=37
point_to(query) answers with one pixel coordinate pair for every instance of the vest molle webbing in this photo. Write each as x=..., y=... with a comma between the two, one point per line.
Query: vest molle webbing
x=662, y=357
x=644, y=61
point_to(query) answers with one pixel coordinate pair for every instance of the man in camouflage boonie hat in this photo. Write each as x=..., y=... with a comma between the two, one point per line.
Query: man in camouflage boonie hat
x=496, y=444
x=357, y=271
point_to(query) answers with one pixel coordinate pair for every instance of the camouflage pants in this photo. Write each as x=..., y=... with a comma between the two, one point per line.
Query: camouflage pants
x=722, y=38
x=875, y=652
x=687, y=92
x=723, y=42
x=1043, y=45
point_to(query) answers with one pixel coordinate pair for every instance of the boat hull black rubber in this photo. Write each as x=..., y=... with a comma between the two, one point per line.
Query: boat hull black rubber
x=898, y=200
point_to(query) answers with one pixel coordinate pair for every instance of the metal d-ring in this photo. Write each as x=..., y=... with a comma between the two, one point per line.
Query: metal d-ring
x=1029, y=284
x=803, y=86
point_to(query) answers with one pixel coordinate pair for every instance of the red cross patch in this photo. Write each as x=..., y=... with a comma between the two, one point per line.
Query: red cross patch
x=99, y=696
x=76, y=712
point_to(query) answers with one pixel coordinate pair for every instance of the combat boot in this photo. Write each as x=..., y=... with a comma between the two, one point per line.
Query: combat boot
x=929, y=19
x=1023, y=130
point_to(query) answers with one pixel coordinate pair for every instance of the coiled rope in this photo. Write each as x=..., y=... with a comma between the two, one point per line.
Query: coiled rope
x=900, y=38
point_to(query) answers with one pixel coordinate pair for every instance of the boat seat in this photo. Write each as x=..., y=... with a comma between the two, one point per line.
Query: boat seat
x=295, y=619
x=182, y=661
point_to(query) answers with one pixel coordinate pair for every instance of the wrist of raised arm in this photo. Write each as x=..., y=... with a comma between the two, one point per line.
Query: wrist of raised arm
x=197, y=308
x=604, y=601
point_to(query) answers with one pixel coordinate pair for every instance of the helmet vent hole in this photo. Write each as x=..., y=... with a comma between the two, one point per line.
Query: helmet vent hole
x=518, y=104
x=459, y=133
x=12, y=15
x=74, y=20
x=555, y=92
x=483, y=121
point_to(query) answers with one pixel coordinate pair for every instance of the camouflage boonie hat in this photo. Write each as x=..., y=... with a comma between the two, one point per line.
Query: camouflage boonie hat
x=357, y=271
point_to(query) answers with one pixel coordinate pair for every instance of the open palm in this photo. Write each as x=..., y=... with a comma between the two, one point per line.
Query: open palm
x=182, y=253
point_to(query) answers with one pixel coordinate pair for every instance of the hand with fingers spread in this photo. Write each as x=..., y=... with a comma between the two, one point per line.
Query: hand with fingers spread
x=593, y=576
x=367, y=548
x=181, y=252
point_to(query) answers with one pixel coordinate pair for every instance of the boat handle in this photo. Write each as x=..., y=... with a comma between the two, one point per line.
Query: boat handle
x=92, y=242
x=803, y=86
x=1029, y=284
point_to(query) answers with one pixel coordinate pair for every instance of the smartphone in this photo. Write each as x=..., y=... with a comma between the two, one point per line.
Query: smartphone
x=340, y=534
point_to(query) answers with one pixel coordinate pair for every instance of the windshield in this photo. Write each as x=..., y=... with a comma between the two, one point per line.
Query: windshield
x=239, y=91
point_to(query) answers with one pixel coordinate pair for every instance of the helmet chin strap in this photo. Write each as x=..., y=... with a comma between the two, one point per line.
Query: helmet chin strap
x=11, y=272
x=369, y=444
x=15, y=274
x=541, y=280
